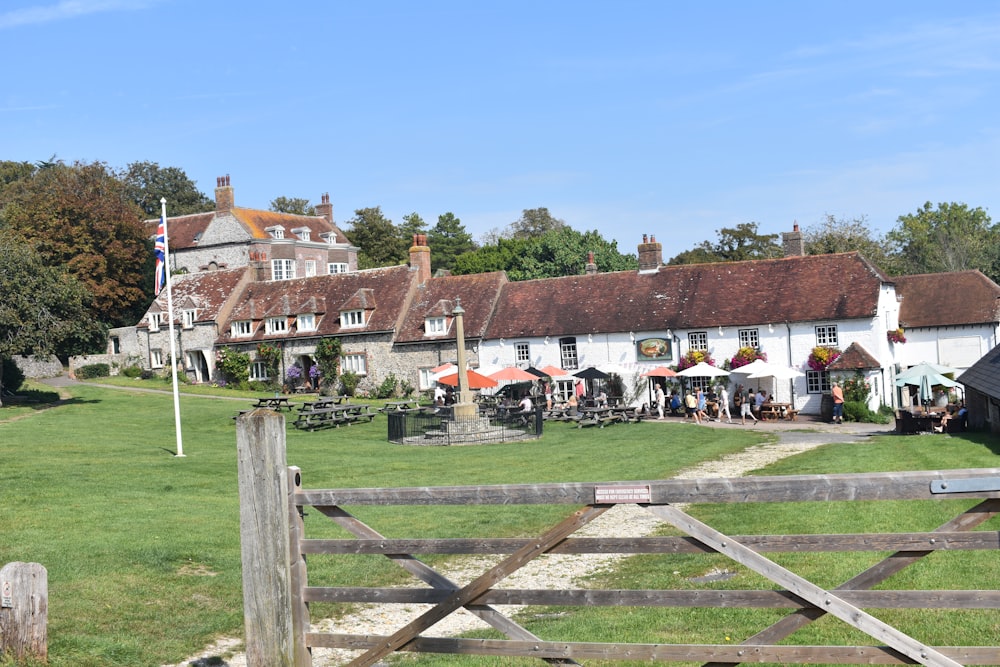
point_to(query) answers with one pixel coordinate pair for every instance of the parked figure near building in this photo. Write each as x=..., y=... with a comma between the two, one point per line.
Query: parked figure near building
x=724, y=404
x=838, y=403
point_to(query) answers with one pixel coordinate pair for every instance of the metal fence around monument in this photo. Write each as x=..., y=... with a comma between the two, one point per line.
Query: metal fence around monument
x=441, y=427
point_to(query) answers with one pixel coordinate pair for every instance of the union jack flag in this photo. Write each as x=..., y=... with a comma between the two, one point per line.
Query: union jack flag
x=160, y=251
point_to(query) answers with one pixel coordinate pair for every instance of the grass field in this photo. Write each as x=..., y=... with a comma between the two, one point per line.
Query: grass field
x=142, y=548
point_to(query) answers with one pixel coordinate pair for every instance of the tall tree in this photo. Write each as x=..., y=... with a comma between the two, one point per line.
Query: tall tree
x=11, y=172
x=80, y=217
x=447, y=240
x=835, y=235
x=534, y=222
x=735, y=244
x=43, y=309
x=294, y=205
x=412, y=224
x=377, y=238
x=951, y=237
x=147, y=182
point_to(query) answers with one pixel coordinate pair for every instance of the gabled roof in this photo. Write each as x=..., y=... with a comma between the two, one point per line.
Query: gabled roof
x=792, y=289
x=208, y=292
x=382, y=291
x=183, y=231
x=257, y=222
x=438, y=296
x=855, y=357
x=956, y=298
x=984, y=375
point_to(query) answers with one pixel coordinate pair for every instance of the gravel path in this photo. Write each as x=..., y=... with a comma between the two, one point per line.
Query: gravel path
x=555, y=571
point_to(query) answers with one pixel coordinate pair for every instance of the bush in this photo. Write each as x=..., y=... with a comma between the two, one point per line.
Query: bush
x=13, y=378
x=234, y=365
x=132, y=372
x=147, y=374
x=350, y=382
x=388, y=387
x=91, y=371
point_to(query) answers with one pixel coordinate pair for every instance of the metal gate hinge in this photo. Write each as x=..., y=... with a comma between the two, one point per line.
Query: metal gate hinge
x=965, y=485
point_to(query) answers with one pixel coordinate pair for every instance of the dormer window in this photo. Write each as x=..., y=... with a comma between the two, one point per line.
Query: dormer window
x=302, y=233
x=435, y=326
x=306, y=322
x=276, y=232
x=329, y=237
x=188, y=318
x=155, y=319
x=352, y=319
x=242, y=329
x=277, y=325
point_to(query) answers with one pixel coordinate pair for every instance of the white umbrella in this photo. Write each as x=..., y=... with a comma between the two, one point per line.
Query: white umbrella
x=777, y=372
x=702, y=370
x=752, y=367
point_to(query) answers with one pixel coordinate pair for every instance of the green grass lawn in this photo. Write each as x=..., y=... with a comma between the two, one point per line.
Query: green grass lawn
x=142, y=547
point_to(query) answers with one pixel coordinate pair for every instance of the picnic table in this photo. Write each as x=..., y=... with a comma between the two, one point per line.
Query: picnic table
x=596, y=417
x=775, y=411
x=322, y=402
x=332, y=415
x=399, y=406
x=278, y=403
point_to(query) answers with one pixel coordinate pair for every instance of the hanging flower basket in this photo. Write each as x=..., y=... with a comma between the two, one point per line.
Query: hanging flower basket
x=693, y=357
x=822, y=356
x=744, y=356
x=895, y=335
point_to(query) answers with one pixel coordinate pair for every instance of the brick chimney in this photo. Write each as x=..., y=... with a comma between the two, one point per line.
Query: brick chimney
x=325, y=208
x=793, y=243
x=223, y=195
x=591, y=264
x=420, y=258
x=650, y=254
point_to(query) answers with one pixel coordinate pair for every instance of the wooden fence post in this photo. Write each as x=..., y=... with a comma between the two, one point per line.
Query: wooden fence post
x=24, y=611
x=264, y=543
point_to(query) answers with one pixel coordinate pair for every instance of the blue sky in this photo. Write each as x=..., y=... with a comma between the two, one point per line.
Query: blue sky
x=668, y=118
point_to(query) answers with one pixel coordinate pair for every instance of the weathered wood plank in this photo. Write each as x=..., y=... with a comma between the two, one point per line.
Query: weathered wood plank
x=787, y=654
x=793, y=488
x=24, y=611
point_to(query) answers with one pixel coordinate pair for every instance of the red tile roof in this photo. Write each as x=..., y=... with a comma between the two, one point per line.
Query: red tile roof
x=257, y=223
x=437, y=296
x=935, y=299
x=182, y=231
x=208, y=292
x=855, y=357
x=793, y=289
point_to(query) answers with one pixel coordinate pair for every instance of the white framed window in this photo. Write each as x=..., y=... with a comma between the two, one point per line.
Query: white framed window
x=156, y=359
x=258, y=370
x=276, y=232
x=827, y=335
x=435, y=326
x=302, y=233
x=188, y=317
x=155, y=320
x=277, y=325
x=698, y=340
x=352, y=318
x=310, y=268
x=817, y=382
x=749, y=338
x=355, y=363
x=336, y=267
x=567, y=352
x=306, y=322
x=242, y=328
x=522, y=355
x=425, y=379
x=282, y=269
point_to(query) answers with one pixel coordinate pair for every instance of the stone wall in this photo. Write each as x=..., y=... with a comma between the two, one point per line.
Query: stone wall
x=45, y=367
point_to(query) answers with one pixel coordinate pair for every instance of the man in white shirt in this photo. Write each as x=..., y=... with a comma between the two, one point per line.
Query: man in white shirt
x=525, y=404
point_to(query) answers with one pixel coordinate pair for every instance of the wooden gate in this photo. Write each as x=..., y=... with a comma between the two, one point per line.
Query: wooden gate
x=267, y=623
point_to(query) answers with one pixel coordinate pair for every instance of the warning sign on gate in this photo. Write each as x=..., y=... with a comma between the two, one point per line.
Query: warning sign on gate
x=607, y=495
x=6, y=594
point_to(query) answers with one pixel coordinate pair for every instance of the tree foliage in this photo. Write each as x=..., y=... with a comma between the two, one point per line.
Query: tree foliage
x=42, y=310
x=447, y=240
x=834, y=235
x=951, y=237
x=534, y=222
x=377, y=238
x=735, y=244
x=81, y=217
x=294, y=205
x=412, y=224
x=147, y=182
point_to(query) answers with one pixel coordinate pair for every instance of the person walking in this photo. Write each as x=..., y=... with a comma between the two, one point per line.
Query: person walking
x=724, y=404
x=691, y=407
x=660, y=400
x=702, y=405
x=838, y=403
x=746, y=407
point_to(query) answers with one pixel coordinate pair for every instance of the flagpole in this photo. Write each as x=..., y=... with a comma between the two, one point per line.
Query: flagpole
x=170, y=321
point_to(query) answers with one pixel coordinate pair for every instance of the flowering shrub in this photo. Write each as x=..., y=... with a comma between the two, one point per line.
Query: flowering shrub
x=314, y=372
x=233, y=364
x=744, y=356
x=822, y=356
x=856, y=389
x=896, y=335
x=693, y=357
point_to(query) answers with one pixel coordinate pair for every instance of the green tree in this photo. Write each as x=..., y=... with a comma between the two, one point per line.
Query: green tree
x=835, y=235
x=534, y=222
x=502, y=255
x=293, y=205
x=42, y=310
x=377, y=238
x=735, y=244
x=951, y=237
x=447, y=240
x=80, y=217
x=11, y=172
x=412, y=224
x=147, y=182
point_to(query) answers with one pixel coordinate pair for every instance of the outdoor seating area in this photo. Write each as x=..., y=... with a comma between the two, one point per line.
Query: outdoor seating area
x=277, y=403
x=330, y=412
x=594, y=416
x=927, y=420
x=772, y=411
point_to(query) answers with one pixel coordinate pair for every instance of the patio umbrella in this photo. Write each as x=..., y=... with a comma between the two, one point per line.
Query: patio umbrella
x=513, y=374
x=926, y=381
x=702, y=370
x=476, y=380
x=924, y=368
x=660, y=372
x=775, y=371
x=591, y=373
x=555, y=372
x=538, y=373
x=444, y=369
x=751, y=368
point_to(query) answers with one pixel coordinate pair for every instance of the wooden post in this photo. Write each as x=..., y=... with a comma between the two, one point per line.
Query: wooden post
x=24, y=611
x=264, y=542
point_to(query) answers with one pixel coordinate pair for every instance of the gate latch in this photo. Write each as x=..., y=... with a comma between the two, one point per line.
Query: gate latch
x=969, y=485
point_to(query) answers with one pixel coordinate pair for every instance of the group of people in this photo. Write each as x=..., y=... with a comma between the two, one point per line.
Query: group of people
x=699, y=405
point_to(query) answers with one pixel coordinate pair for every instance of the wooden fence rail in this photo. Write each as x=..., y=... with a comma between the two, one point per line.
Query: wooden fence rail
x=805, y=600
